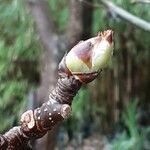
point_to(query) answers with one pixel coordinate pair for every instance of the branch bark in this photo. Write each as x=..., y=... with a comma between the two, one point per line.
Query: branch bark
x=141, y=1
x=36, y=123
x=126, y=15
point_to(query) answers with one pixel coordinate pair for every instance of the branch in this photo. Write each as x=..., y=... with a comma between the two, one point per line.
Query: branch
x=126, y=15
x=90, y=57
x=141, y=1
x=36, y=123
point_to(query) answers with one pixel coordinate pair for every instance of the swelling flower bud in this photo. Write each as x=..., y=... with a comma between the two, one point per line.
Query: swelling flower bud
x=88, y=57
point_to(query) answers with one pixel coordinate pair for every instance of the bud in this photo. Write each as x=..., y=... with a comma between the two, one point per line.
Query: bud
x=87, y=58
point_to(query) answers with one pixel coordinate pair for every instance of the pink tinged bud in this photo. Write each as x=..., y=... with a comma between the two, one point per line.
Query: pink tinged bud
x=78, y=60
x=88, y=57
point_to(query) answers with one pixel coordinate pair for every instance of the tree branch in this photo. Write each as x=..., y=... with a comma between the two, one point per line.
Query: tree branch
x=141, y=1
x=126, y=15
x=44, y=22
x=36, y=123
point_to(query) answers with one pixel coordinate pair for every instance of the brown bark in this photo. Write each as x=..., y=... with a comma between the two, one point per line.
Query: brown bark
x=35, y=123
x=116, y=90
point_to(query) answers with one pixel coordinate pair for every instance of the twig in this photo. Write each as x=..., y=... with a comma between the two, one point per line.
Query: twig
x=141, y=1
x=126, y=15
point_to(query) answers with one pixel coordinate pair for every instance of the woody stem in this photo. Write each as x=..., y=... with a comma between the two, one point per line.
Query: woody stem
x=36, y=123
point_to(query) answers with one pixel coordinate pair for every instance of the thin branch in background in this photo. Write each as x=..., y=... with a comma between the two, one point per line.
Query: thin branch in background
x=126, y=15
x=123, y=14
x=141, y=1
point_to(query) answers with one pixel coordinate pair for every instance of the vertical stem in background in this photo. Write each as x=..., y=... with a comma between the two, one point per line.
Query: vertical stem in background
x=110, y=101
x=127, y=74
x=124, y=71
x=126, y=83
x=128, y=86
x=129, y=62
x=116, y=90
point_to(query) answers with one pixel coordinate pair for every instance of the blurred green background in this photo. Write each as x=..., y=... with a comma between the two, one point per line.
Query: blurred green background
x=113, y=111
